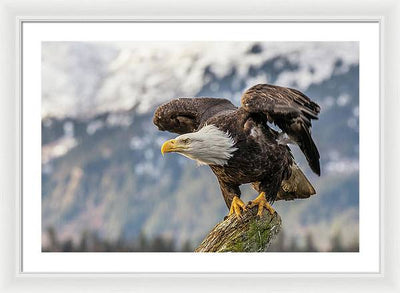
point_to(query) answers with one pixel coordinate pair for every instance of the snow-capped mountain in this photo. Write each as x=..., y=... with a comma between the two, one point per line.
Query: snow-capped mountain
x=102, y=169
x=85, y=79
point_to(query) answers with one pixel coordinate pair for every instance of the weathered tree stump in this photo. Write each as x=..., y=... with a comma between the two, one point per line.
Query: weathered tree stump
x=249, y=234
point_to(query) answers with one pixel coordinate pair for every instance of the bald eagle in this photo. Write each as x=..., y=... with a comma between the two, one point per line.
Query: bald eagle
x=241, y=145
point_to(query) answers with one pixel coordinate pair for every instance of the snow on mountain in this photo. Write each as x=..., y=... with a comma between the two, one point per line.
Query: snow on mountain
x=102, y=167
x=84, y=79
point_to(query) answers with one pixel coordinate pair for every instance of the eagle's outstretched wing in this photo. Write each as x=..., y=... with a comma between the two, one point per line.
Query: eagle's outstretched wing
x=289, y=109
x=185, y=115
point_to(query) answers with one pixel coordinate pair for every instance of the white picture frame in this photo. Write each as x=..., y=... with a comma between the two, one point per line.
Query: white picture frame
x=363, y=35
x=11, y=277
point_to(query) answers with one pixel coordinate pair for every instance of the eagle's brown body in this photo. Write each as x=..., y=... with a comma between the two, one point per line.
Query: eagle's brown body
x=260, y=158
x=258, y=155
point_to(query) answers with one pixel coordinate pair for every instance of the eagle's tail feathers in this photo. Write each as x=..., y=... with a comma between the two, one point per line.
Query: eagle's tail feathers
x=297, y=186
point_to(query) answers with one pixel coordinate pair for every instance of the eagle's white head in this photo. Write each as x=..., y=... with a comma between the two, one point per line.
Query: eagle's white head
x=208, y=146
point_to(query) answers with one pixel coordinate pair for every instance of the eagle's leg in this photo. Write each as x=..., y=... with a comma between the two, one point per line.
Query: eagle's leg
x=236, y=205
x=261, y=202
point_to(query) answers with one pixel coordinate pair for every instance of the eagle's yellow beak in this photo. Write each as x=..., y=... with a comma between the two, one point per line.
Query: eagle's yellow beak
x=168, y=146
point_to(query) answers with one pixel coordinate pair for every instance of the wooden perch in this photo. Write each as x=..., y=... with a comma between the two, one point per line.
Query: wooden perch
x=249, y=234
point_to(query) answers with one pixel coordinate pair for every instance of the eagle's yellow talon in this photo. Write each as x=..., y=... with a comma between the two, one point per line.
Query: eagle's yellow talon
x=260, y=209
x=262, y=203
x=236, y=205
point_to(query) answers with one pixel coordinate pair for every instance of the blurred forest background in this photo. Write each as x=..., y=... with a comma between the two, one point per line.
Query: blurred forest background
x=105, y=185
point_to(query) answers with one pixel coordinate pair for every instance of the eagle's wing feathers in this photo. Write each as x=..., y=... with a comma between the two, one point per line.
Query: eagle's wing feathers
x=185, y=115
x=289, y=109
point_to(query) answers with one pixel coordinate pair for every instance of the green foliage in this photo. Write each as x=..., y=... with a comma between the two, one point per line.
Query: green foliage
x=91, y=242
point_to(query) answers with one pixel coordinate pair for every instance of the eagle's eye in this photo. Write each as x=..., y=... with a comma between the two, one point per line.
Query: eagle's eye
x=186, y=140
